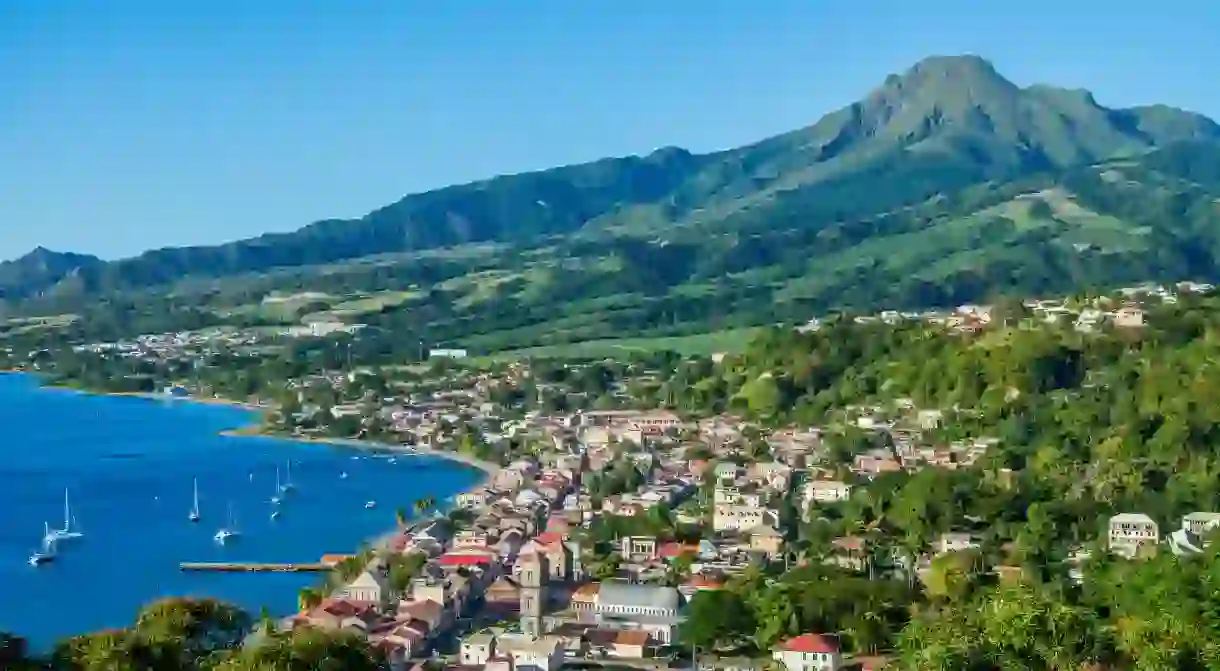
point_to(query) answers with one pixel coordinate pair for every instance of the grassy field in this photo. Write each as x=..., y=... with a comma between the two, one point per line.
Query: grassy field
x=19, y=325
x=358, y=305
x=699, y=344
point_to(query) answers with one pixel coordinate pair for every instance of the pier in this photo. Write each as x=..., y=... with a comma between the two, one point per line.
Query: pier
x=254, y=567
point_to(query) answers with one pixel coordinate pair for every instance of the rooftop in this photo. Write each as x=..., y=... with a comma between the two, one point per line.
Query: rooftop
x=811, y=643
x=615, y=593
x=1131, y=518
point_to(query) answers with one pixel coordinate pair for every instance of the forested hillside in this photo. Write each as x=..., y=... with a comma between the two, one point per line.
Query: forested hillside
x=946, y=184
x=1089, y=425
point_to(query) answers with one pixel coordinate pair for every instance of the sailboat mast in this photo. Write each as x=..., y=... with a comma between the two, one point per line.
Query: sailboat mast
x=67, y=511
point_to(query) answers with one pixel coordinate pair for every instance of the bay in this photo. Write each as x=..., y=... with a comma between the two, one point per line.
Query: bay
x=128, y=464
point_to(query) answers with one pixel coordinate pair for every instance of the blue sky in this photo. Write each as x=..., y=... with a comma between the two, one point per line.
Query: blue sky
x=132, y=124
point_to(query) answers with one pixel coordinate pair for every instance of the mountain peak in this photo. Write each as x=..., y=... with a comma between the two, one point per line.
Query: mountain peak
x=960, y=64
x=943, y=75
x=42, y=256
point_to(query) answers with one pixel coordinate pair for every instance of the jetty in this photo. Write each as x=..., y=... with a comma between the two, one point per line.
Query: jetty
x=255, y=567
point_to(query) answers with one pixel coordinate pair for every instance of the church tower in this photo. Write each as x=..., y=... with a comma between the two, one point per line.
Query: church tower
x=532, y=576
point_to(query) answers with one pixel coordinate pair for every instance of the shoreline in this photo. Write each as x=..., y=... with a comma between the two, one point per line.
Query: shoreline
x=255, y=431
x=488, y=469
x=382, y=542
x=379, y=541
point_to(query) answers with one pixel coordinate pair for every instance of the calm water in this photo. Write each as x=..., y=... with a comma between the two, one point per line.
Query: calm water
x=128, y=464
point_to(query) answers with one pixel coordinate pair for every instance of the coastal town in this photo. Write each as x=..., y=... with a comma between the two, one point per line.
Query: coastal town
x=605, y=517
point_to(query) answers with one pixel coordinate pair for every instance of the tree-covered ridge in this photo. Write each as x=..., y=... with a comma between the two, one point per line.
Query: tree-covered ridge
x=1088, y=425
x=942, y=125
x=1121, y=419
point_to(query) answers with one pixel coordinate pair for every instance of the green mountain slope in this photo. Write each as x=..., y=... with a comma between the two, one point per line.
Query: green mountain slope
x=943, y=125
x=1121, y=221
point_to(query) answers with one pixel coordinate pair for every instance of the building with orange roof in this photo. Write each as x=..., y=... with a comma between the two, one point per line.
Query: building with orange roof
x=584, y=598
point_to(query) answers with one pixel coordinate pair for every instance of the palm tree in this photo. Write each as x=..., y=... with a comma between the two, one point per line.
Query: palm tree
x=400, y=517
x=309, y=598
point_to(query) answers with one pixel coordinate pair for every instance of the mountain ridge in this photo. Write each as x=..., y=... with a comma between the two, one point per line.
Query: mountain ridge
x=943, y=124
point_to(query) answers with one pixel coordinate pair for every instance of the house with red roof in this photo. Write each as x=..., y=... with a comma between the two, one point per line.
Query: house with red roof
x=468, y=558
x=672, y=550
x=339, y=613
x=810, y=652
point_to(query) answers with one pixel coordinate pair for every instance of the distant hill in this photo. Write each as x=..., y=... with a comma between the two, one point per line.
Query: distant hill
x=946, y=183
x=43, y=268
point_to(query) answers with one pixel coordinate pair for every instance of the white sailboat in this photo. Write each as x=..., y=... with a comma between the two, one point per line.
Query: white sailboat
x=370, y=505
x=288, y=486
x=228, y=531
x=47, y=554
x=67, y=532
x=194, y=515
x=279, y=488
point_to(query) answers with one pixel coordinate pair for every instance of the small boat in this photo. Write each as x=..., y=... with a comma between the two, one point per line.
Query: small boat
x=392, y=460
x=343, y=475
x=275, y=514
x=275, y=499
x=194, y=514
x=47, y=554
x=370, y=504
x=229, y=531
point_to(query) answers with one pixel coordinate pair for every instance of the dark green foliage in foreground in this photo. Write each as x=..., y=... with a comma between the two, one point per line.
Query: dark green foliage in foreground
x=196, y=635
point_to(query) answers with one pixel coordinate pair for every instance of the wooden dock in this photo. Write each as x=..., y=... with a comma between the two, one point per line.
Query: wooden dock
x=254, y=567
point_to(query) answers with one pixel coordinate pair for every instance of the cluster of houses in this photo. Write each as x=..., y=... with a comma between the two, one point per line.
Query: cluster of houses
x=510, y=581
x=1123, y=309
x=183, y=344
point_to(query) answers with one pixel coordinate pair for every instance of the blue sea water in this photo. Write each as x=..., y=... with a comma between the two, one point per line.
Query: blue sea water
x=128, y=465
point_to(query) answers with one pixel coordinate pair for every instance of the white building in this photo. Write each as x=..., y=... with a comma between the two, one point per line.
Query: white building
x=826, y=491
x=369, y=587
x=538, y=654
x=447, y=353
x=809, y=652
x=477, y=649
x=730, y=517
x=742, y=496
x=954, y=542
x=1192, y=538
x=1131, y=532
x=635, y=607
